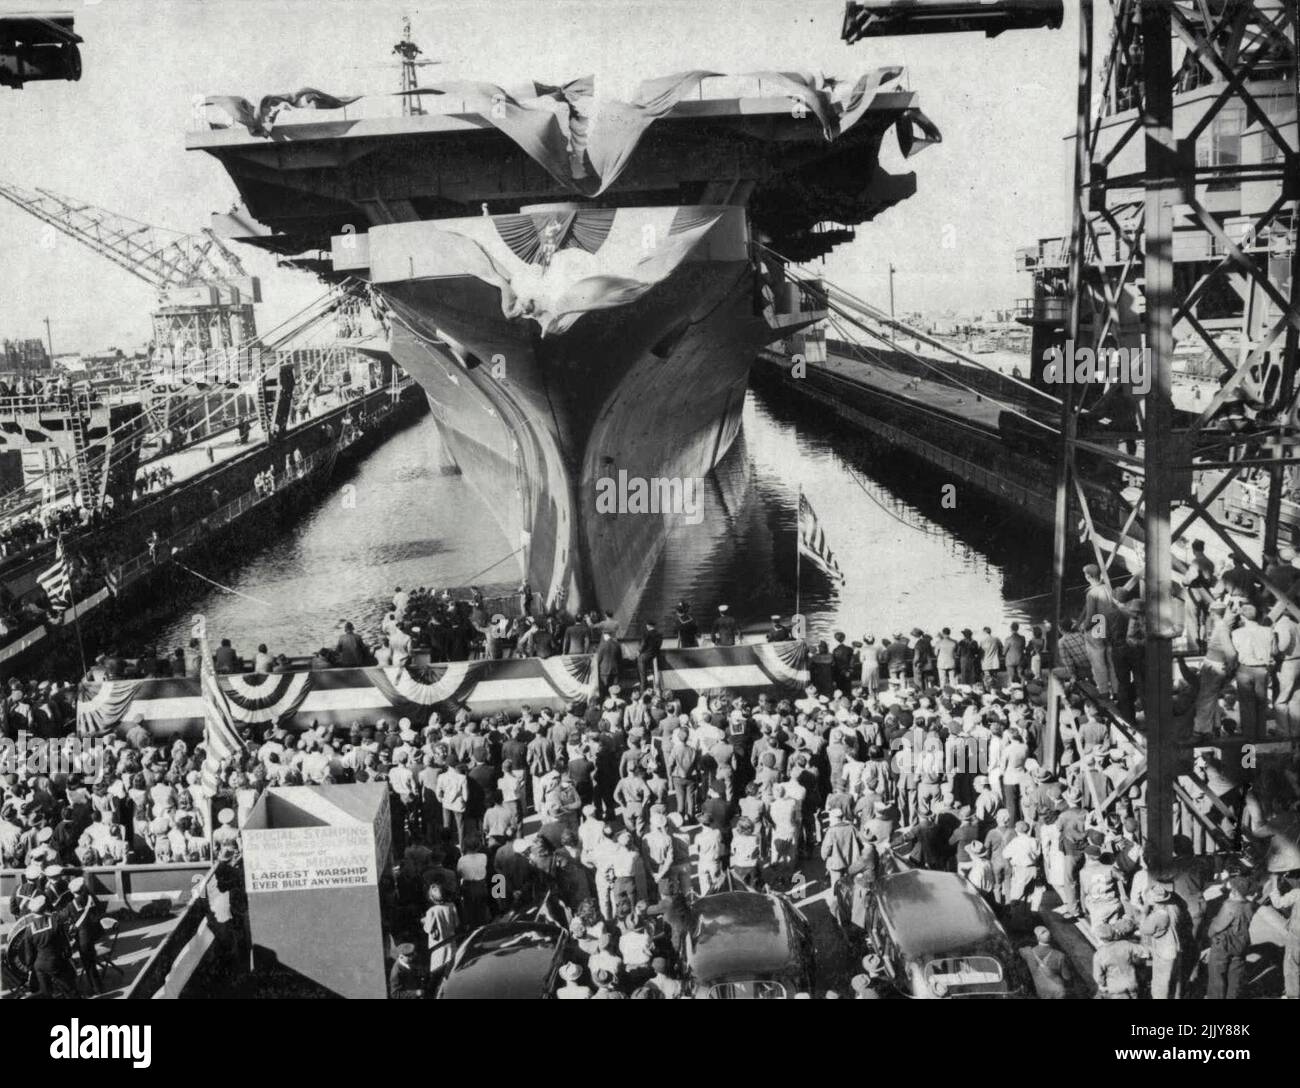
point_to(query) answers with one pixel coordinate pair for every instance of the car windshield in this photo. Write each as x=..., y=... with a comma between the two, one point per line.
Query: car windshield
x=746, y=991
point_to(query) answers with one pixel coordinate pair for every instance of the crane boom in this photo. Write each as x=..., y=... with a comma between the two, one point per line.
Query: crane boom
x=163, y=259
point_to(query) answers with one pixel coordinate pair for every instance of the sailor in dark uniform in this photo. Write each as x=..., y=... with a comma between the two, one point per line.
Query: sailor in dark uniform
x=52, y=971
x=56, y=888
x=688, y=631
x=405, y=980
x=32, y=885
x=82, y=911
x=725, y=628
x=779, y=632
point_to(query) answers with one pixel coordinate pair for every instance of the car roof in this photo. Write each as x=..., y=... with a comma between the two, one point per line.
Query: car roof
x=504, y=960
x=929, y=913
x=740, y=935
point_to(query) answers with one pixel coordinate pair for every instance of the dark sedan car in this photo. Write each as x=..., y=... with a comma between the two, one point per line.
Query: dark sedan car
x=749, y=945
x=508, y=960
x=938, y=938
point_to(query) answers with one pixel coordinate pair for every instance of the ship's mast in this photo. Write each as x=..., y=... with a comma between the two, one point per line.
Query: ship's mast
x=408, y=51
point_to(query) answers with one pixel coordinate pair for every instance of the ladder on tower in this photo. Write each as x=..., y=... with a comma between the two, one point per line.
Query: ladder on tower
x=81, y=453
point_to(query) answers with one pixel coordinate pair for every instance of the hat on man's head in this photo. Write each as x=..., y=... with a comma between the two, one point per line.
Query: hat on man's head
x=1043, y=934
x=1157, y=893
x=226, y=816
x=405, y=949
x=570, y=972
x=32, y=871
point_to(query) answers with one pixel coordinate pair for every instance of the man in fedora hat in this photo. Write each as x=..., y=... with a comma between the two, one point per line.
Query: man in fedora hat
x=968, y=658
x=572, y=990
x=977, y=868
x=1160, y=929
x=1228, y=935
x=945, y=657
x=840, y=850
x=1114, y=965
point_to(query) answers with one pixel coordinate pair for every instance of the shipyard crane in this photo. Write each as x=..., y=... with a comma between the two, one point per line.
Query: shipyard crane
x=205, y=296
x=205, y=312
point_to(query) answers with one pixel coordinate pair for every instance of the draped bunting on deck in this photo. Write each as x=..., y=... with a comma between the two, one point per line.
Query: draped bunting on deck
x=585, y=141
x=338, y=697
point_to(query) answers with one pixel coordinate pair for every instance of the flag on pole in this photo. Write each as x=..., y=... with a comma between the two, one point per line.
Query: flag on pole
x=812, y=541
x=221, y=739
x=57, y=581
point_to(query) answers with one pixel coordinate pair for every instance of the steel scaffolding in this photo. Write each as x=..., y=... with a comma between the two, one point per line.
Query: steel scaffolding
x=1201, y=81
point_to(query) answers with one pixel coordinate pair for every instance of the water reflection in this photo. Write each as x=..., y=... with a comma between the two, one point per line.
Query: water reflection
x=908, y=561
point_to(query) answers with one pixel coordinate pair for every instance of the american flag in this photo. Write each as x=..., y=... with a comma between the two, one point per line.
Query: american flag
x=221, y=740
x=57, y=581
x=812, y=541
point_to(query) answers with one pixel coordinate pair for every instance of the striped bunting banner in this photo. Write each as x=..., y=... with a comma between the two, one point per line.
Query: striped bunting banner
x=338, y=697
x=174, y=707
x=749, y=670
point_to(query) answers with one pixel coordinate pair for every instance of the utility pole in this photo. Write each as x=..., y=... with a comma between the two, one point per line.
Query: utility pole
x=49, y=342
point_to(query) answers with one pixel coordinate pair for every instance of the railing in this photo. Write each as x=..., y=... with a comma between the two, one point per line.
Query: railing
x=120, y=884
x=130, y=569
x=224, y=515
x=44, y=404
x=1046, y=308
x=1049, y=252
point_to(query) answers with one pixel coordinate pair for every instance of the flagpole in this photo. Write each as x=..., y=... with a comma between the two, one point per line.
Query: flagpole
x=798, y=546
x=76, y=621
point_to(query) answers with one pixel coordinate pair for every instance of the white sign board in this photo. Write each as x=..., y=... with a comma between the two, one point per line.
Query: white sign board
x=309, y=858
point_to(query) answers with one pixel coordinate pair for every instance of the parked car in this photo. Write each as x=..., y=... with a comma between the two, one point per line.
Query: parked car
x=744, y=944
x=509, y=960
x=938, y=938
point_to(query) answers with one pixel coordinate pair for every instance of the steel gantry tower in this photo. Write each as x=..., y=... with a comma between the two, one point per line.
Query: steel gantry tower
x=1183, y=237
x=1183, y=232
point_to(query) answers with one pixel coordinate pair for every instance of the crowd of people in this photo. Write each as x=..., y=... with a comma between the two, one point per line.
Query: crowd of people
x=926, y=750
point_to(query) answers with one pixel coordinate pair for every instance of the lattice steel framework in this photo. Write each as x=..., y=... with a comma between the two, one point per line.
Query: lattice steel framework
x=1180, y=73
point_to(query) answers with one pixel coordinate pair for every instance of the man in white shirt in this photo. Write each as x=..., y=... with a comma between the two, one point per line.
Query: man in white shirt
x=452, y=793
x=400, y=643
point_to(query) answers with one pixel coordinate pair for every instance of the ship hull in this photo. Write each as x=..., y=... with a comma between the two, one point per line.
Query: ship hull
x=547, y=424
